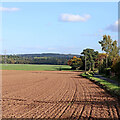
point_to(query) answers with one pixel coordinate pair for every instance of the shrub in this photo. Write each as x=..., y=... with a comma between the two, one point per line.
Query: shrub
x=75, y=63
x=107, y=71
x=116, y=66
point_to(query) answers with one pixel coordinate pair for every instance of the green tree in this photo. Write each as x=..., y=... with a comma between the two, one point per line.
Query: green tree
x=106, y=44
x=116, y=66
x=110, y=47
x=90, y=56
x=114, y=51
x=101, y=62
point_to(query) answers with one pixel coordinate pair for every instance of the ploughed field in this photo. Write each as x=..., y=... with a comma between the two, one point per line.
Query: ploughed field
x=54, y=94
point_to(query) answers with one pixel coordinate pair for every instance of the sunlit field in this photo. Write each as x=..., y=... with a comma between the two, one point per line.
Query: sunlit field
x=34, y=67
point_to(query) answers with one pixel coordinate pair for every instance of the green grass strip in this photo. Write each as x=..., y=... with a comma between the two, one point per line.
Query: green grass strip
x=112, y=88
x=33, y=67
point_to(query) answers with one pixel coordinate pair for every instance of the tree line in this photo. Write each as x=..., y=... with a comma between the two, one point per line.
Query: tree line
x=47, y=58
x=107, y=62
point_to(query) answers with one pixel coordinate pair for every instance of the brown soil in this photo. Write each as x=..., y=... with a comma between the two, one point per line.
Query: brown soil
x=55, y=94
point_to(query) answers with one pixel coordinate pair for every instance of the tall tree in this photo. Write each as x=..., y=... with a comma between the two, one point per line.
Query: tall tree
x=101, y=62
x=106, y=44
x=110, y=47
x=114, y=51
x=91, y=57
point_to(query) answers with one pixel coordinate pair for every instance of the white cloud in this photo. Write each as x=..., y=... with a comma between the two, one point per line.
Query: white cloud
x=74, y=18
x=8, y=9
x=113, y=27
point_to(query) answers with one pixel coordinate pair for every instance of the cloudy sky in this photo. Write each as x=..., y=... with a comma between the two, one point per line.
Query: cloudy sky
x=56, y=27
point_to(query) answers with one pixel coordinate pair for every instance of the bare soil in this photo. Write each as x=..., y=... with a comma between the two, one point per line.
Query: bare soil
x=55, y=94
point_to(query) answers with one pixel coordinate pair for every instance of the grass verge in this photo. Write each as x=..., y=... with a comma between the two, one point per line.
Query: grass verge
x=109, y=87
x=115, y=78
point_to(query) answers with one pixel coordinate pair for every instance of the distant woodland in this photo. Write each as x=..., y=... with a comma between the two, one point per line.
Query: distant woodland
x=45, y=58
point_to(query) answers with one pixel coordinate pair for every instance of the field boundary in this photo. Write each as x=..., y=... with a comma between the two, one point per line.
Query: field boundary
x=115, y=91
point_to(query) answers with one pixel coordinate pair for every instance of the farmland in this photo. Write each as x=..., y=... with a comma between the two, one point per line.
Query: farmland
x=55, y=94
x=30, y=67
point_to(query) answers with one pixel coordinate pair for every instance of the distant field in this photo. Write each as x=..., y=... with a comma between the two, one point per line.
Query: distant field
x=34, y=67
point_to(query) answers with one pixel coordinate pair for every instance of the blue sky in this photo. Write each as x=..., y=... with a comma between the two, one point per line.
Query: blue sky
x=56, y=27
